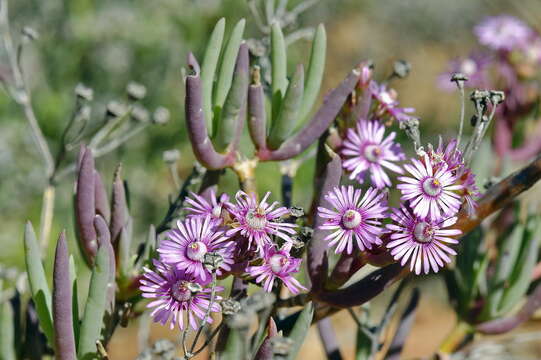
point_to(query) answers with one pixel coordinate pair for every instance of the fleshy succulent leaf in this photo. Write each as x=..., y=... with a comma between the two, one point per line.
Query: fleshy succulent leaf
x=62, y=303
x=286, y=120
x=208, y=68
x=95, y=306
x=314, y=75
x=38, y=283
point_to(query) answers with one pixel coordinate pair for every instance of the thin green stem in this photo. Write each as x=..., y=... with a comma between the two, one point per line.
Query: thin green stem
x=203, y=323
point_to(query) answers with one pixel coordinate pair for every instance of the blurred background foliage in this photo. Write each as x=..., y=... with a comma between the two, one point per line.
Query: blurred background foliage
x=106, y=44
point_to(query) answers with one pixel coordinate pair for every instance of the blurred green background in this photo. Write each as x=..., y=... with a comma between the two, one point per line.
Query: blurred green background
x=105, y=44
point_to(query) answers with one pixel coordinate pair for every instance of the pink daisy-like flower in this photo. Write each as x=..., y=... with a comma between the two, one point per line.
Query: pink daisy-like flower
x=503, y=32
x=354, y=217
x=430, y=191
x=470, y=192
x=277, y=264
x=387, y=103
x=186, y=246
x=173, y=299
x=258, y=221
x=421, y=241
x=446, y=155
x=200, y=207
x=367, y=151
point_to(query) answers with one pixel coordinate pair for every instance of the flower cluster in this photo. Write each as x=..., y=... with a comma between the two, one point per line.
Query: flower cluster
x=243, y=234
x=508, y=59
x=435, y=185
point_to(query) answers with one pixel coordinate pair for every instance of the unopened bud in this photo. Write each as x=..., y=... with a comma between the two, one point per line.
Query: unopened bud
x=497, y=97
x=161, y=116
x=171, y=156
x=401, y=68
x=411, y=128
x=29, y=34
x=140, y=114
x=136, y=91
x=115, y=109
x=296, y=211
x=83, y=92
x=281, y=346
x=230, y=307
x=213, y=260
x=459, y=79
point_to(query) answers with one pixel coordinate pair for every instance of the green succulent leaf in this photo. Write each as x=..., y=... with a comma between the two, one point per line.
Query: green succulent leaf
x=286, y=120
x=39, y=288
x=300, y=329
x=235, y=346
x=95, y=306
x=278, y=67
x=314, y=75
x=7, y=343
x=521, y=276
x=75, y=300
x=208, y=69
x=227, y=67
x=510, y=248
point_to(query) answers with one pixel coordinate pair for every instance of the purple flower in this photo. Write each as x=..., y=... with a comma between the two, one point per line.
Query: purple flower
x=187, y=245
x=474, y=67
x=446, y=155
x=421, y=241
x=173, y=299
x=470, y=191
x=277, y=264
x=200, y=207
x=503, y=32
x=387, y=103
x=430, y=191
x=354, y=218
x=258, y=221
x=366, y=150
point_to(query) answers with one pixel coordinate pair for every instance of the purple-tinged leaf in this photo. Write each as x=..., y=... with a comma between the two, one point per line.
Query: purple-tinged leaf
x=195, y=122
x=327, y=180
x=62, y=303
x=503, y=325
x=328, y=339
x=85, y=208
x=120, y=212
x=265, y=351
x=104, y=240
x=101, y=199
x=404, y=327
x=365, y=289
